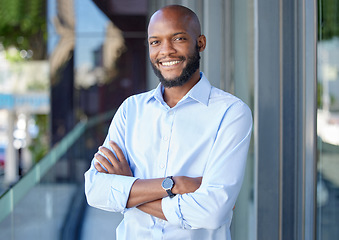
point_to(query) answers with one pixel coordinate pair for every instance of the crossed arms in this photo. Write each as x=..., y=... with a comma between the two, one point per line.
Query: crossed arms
x=145, y=194
x=220, y=160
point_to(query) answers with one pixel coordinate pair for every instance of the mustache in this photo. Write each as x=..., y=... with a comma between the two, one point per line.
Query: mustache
x=182, y=58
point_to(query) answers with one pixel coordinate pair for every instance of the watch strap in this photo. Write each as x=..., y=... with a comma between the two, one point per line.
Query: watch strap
x=169, y=190
x=170, y=194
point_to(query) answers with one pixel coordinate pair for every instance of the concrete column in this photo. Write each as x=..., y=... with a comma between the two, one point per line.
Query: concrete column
x=11, y=163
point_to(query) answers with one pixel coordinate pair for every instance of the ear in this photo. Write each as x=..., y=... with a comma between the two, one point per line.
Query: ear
x=201, y=43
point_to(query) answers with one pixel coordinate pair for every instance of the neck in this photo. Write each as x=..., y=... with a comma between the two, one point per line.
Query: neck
x=174, y=94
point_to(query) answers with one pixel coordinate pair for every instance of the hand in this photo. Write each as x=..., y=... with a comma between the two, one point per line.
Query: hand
x=184, y=184
x=115, y=165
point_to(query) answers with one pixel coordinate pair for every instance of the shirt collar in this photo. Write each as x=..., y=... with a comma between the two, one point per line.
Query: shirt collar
x=157, y=94
x=200, y=91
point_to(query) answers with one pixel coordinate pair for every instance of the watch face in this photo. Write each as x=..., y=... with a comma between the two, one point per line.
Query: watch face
x=167, y=183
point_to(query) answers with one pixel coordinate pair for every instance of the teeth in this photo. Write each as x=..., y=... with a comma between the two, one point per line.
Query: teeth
x=171, y=63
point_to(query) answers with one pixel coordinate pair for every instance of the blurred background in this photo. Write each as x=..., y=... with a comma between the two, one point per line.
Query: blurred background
x=66, y=65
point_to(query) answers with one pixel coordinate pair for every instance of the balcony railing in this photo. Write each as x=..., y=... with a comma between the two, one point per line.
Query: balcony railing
x=41, y=204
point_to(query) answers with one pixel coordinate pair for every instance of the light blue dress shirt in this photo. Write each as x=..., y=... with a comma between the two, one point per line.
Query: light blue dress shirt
x=206, y=134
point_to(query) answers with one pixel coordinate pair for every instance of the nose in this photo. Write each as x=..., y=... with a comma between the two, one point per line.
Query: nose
x=167, y=48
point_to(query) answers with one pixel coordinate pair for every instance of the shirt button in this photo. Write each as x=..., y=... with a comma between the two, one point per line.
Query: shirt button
x=162, y=165
x=170, y=113
x=165, y=138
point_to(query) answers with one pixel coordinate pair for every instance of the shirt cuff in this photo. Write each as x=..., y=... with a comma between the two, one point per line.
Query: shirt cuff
x=120, y=190
x=109, y=191
x=171, y=209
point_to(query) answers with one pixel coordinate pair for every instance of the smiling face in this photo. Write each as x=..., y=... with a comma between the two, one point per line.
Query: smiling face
x=191, y=67
x=174, y=45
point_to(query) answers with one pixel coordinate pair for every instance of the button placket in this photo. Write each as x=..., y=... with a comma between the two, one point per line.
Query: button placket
x=165, y=140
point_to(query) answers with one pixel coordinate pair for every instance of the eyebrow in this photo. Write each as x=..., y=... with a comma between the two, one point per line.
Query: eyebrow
x=178, y=33
x=175, y=34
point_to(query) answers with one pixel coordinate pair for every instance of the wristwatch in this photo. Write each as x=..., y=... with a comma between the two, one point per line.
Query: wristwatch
x=168, y=184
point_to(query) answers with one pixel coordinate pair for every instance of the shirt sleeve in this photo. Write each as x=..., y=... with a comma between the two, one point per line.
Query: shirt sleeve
x=211, y=206
x=110, y=192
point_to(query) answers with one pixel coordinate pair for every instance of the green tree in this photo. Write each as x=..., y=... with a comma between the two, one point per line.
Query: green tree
x=328, y=19
x=39, y=145
x=23, y=25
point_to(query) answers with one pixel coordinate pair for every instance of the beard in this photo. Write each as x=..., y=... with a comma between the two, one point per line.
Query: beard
x=193, y=64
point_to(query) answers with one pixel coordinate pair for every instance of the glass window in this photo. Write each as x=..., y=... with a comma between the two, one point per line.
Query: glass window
x=328, y=120
x=243, y=82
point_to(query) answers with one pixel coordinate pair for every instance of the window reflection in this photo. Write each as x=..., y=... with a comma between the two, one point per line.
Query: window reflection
x=328, y=120
x=24, y=88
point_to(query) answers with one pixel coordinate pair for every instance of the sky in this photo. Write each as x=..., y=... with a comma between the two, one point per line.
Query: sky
x=90, y=27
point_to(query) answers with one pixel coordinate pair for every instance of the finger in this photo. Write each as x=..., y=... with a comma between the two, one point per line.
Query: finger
x=109, y=154
x=104, y=162
x=118, y=151
x=99, y=168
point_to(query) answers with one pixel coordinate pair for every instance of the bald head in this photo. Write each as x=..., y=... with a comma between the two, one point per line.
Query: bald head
x=180, y=14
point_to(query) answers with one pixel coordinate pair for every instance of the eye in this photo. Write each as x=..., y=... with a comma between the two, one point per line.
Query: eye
x=155, y=42
x=180, y=39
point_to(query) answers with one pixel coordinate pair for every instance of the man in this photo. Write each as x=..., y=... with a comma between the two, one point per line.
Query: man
x=174, y=158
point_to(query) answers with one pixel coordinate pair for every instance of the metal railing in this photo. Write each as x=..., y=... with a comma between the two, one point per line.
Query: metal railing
x=10, y=198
